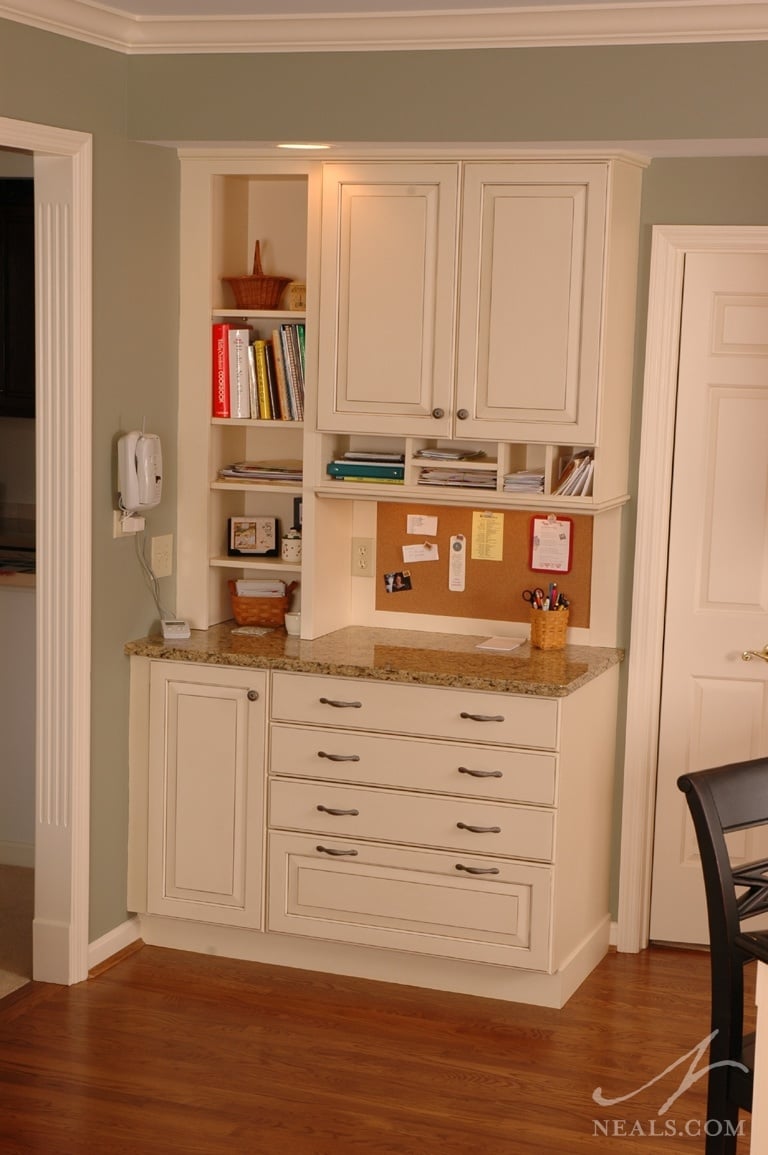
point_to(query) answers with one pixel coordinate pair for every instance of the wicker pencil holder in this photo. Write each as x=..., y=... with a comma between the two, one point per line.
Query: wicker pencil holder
x=257, y=291
x=548, y=629
x=269, y=612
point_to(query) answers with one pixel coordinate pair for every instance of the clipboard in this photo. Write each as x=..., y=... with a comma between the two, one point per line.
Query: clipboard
x=551, y=549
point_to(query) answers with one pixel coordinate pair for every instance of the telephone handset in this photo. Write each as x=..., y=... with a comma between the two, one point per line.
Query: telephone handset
x=139, y=471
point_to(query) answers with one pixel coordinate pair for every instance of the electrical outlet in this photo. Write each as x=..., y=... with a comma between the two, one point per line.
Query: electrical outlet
x=161, y=555
x=125, y=526
x=362, y=557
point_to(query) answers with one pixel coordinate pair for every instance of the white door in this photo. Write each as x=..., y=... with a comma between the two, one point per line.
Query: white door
x=713, y=703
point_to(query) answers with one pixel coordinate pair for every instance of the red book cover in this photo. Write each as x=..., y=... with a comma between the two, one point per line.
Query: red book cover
x=220, y=348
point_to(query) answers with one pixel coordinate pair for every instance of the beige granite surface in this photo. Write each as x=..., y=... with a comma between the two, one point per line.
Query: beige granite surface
x=429, y=659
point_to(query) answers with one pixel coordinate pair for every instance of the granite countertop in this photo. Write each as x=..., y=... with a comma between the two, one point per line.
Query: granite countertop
x=425, y=658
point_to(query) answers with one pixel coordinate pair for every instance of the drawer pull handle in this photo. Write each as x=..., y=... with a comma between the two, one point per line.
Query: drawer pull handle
x=478, y=829
x=482, y=717
x=332, y=810
x=341, y=705
x=338, y=757
x=481, y=773
x=475, y=869
x=335, y=853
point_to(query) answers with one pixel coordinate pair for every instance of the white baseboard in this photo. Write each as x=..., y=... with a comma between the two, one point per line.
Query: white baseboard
x=113, y=942
x=17, y=854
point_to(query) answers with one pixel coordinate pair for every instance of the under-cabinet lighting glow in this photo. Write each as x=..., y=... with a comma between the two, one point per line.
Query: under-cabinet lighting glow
x=307, y=146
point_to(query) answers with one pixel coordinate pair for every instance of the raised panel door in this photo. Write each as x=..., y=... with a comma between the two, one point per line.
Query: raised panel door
x=206, y=759
x=530, y=297
x=387, y=298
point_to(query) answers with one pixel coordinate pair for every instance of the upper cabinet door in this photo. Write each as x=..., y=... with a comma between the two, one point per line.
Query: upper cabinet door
x=388, y=277
x=530, y=301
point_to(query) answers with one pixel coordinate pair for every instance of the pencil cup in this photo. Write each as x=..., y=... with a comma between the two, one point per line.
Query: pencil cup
x=548, y=629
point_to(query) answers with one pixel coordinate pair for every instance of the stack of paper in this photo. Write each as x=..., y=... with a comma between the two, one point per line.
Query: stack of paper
x=524, y=481
x=478, y=479
x=260, y=588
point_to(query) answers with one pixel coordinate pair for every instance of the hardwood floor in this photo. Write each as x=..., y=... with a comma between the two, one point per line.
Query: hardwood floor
x=174, y=1052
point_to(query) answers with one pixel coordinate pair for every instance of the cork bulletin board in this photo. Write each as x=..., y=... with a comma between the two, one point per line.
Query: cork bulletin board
x=493, y=588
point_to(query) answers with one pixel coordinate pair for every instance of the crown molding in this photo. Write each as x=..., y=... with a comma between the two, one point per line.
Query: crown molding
x=556, y=25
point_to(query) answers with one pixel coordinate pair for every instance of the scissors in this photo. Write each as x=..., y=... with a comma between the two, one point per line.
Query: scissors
x=535, y=597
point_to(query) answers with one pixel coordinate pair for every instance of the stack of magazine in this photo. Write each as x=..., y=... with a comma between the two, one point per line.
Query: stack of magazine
x=272, y=471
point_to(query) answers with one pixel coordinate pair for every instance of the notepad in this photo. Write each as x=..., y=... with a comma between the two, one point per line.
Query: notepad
x=500, y=643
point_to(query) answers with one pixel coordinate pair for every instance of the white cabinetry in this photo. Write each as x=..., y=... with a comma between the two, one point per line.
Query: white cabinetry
x=482, y=301
x=205, y=788
x=450, y=822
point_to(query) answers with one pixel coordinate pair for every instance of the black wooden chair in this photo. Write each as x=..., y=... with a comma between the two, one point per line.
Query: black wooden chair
x=726, y=798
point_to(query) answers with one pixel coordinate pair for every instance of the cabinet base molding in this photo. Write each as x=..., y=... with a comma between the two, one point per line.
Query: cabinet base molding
x=481, y=979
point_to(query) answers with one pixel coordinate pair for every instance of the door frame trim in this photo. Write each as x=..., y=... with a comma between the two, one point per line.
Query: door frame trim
x=670, y=246
x=62, y=166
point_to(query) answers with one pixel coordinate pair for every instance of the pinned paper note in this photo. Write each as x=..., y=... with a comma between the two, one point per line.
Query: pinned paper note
x=427, y=551
x=419, y=523
x=487, y=535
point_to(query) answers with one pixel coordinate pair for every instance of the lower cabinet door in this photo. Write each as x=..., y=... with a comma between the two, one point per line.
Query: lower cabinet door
x=205, y=793
x=457, y=906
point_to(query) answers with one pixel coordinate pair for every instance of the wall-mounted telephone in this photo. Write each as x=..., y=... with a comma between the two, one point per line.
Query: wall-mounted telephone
x=139, y=471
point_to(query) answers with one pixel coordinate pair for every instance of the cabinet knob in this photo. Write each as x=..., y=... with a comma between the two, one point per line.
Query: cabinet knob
x=438, y=413
x=253, y=695
x=462, y=414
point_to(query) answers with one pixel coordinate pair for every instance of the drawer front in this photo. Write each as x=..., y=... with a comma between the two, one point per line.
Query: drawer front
x=415, y=819
x=414, y=764
x=467, y=715
x=494, y=912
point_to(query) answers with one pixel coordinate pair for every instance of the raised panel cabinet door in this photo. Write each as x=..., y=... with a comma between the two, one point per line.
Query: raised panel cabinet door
x=388, y=257
x=459, y=906
x=205, y=797
x=530, y=295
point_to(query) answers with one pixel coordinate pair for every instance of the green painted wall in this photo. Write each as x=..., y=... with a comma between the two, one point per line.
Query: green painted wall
x=51, y=80
x=500, y=96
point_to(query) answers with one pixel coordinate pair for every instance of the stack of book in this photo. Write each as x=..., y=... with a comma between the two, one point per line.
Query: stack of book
x=363, y=467
x=576, y=478
x=524, y=481
x=287, y=471
x=258, y=378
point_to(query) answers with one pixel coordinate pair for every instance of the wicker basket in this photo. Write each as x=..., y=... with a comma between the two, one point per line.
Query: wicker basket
x=257, y=291
x=269, y=612
x=548, y=629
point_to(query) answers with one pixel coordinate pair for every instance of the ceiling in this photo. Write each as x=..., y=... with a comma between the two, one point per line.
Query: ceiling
x=197, y=26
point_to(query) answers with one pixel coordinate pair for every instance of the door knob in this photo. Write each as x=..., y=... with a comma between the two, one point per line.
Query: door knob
x=462, y=414
x=748, y=655
x=438, y=413
x=253, y=695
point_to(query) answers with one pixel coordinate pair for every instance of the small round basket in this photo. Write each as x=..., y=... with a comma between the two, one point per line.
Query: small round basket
x=548, y=629
x=257, y=291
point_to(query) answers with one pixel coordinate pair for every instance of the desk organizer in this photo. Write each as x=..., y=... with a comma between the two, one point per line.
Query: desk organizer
x=548, y=629
x=268, y=612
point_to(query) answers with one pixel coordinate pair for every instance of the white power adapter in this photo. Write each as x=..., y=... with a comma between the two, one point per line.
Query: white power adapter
x=175, y=629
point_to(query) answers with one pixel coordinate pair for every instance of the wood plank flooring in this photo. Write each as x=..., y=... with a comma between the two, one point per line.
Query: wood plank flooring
x=175, y=1052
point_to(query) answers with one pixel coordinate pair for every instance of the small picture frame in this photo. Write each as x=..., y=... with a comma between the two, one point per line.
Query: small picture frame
x=253, y=536
x=297, y=513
